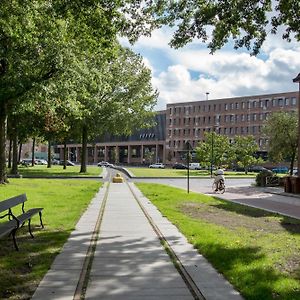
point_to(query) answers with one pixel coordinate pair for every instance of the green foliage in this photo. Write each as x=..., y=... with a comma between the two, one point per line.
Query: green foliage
x=260, y=178
x=247, y=23
x=244, y=148
x=215, y=149
x=282, y=131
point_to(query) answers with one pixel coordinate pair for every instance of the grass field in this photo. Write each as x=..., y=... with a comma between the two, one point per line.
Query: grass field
x=42, y=170
x=257, y=251
x=149, y=172
x=63, y=202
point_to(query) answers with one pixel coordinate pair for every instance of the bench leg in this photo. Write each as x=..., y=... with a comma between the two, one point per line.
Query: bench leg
x=29, y=228
x=14, y=239
x=40, y=213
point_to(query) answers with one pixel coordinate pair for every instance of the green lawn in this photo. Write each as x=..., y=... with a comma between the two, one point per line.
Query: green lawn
x=63, y=202
x=42, y=170
x=149, y=172
x=258, y=252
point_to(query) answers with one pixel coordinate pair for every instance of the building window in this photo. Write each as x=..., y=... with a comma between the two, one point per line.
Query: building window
x=243, y=118
x=170, y=110
x=286, y=101
x=237, y=105
x=170, y=121
x=231, y=106
x=280, y=102
x=273, y=102
x=293, y=100
x=226, y=106
x=254, y=117
x=243, y=105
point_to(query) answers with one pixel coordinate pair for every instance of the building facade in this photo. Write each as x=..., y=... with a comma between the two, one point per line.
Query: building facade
x=187, y=122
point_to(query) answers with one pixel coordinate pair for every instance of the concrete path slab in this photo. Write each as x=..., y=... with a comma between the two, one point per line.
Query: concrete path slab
x=129, y=261
x=129, y=255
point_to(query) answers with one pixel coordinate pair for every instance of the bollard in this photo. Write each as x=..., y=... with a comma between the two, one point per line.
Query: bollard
x=118, y=178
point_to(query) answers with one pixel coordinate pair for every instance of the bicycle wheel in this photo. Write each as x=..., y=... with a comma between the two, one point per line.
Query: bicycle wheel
x=222, y=189
x=214, y=187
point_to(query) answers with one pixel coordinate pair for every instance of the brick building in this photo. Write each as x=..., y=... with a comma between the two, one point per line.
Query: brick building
x=187, y=122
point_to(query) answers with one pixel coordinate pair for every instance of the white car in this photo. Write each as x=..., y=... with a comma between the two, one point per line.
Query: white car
x=105, y=164
x=157, y=166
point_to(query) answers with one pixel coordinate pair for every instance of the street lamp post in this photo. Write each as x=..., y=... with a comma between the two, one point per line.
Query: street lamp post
x=212, y=153
x=212, y=148
x=188, y=148
x=297, y=80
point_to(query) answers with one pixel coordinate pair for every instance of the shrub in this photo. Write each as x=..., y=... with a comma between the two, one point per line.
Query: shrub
x=261, y=177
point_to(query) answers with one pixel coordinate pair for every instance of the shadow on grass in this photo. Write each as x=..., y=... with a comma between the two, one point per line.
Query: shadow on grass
x=289, y=224
x=59, y=173
x=241, y=209
x=22, y=270
x=254, y=281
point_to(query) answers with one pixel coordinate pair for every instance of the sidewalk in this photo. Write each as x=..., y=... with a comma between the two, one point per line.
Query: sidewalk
x=129, y=260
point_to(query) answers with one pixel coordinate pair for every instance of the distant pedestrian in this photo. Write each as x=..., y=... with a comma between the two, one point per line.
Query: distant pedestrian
x=218, y=176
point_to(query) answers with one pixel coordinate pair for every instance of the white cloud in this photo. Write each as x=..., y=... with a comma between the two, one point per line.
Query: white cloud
x=224, y=74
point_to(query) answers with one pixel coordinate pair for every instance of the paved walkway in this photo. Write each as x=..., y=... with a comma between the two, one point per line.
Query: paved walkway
x=129, y=260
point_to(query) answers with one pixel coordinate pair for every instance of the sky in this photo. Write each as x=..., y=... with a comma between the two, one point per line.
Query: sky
x=189, y=73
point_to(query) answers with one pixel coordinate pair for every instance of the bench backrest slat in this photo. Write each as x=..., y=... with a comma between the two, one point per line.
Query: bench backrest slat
x=11, y=202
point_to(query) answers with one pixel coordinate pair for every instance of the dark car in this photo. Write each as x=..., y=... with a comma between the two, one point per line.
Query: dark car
x=256, y=169
x=282, y=170
x=179, y=166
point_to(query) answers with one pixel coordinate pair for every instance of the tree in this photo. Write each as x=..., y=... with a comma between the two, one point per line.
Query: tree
x=247, y=23
x=214, y=150
x=116, y=97
x=244, y=149
x=39, y=39
x=281, y=129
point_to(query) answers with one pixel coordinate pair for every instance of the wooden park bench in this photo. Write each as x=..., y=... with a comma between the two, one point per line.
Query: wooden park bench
x=14, y=221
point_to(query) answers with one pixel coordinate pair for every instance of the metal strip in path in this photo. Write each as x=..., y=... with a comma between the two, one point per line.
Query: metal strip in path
x=130, y=261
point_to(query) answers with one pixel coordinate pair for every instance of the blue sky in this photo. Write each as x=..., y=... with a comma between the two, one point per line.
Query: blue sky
x=187, y=74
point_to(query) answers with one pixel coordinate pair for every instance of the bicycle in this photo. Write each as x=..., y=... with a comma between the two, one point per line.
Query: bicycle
x=220, y=187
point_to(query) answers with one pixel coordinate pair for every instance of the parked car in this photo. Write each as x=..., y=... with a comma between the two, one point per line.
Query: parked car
x=26, y=161
x=295, y=172
x=41, y=162
x=282, y=170
x=194, y=166
x=256, y=169
x=55, y=162
x=68, y=163
x=157, y=166
x=104, y=164
x=179, y=166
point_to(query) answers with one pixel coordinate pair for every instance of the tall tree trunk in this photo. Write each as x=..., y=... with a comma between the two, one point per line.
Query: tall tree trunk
x=49, y=154
x=9, y=153
x=292, y=163
x=33, y=152
x=65, y=154
x=84, y=149
x=3, y=124
x=20, y=152
x=14, y=169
